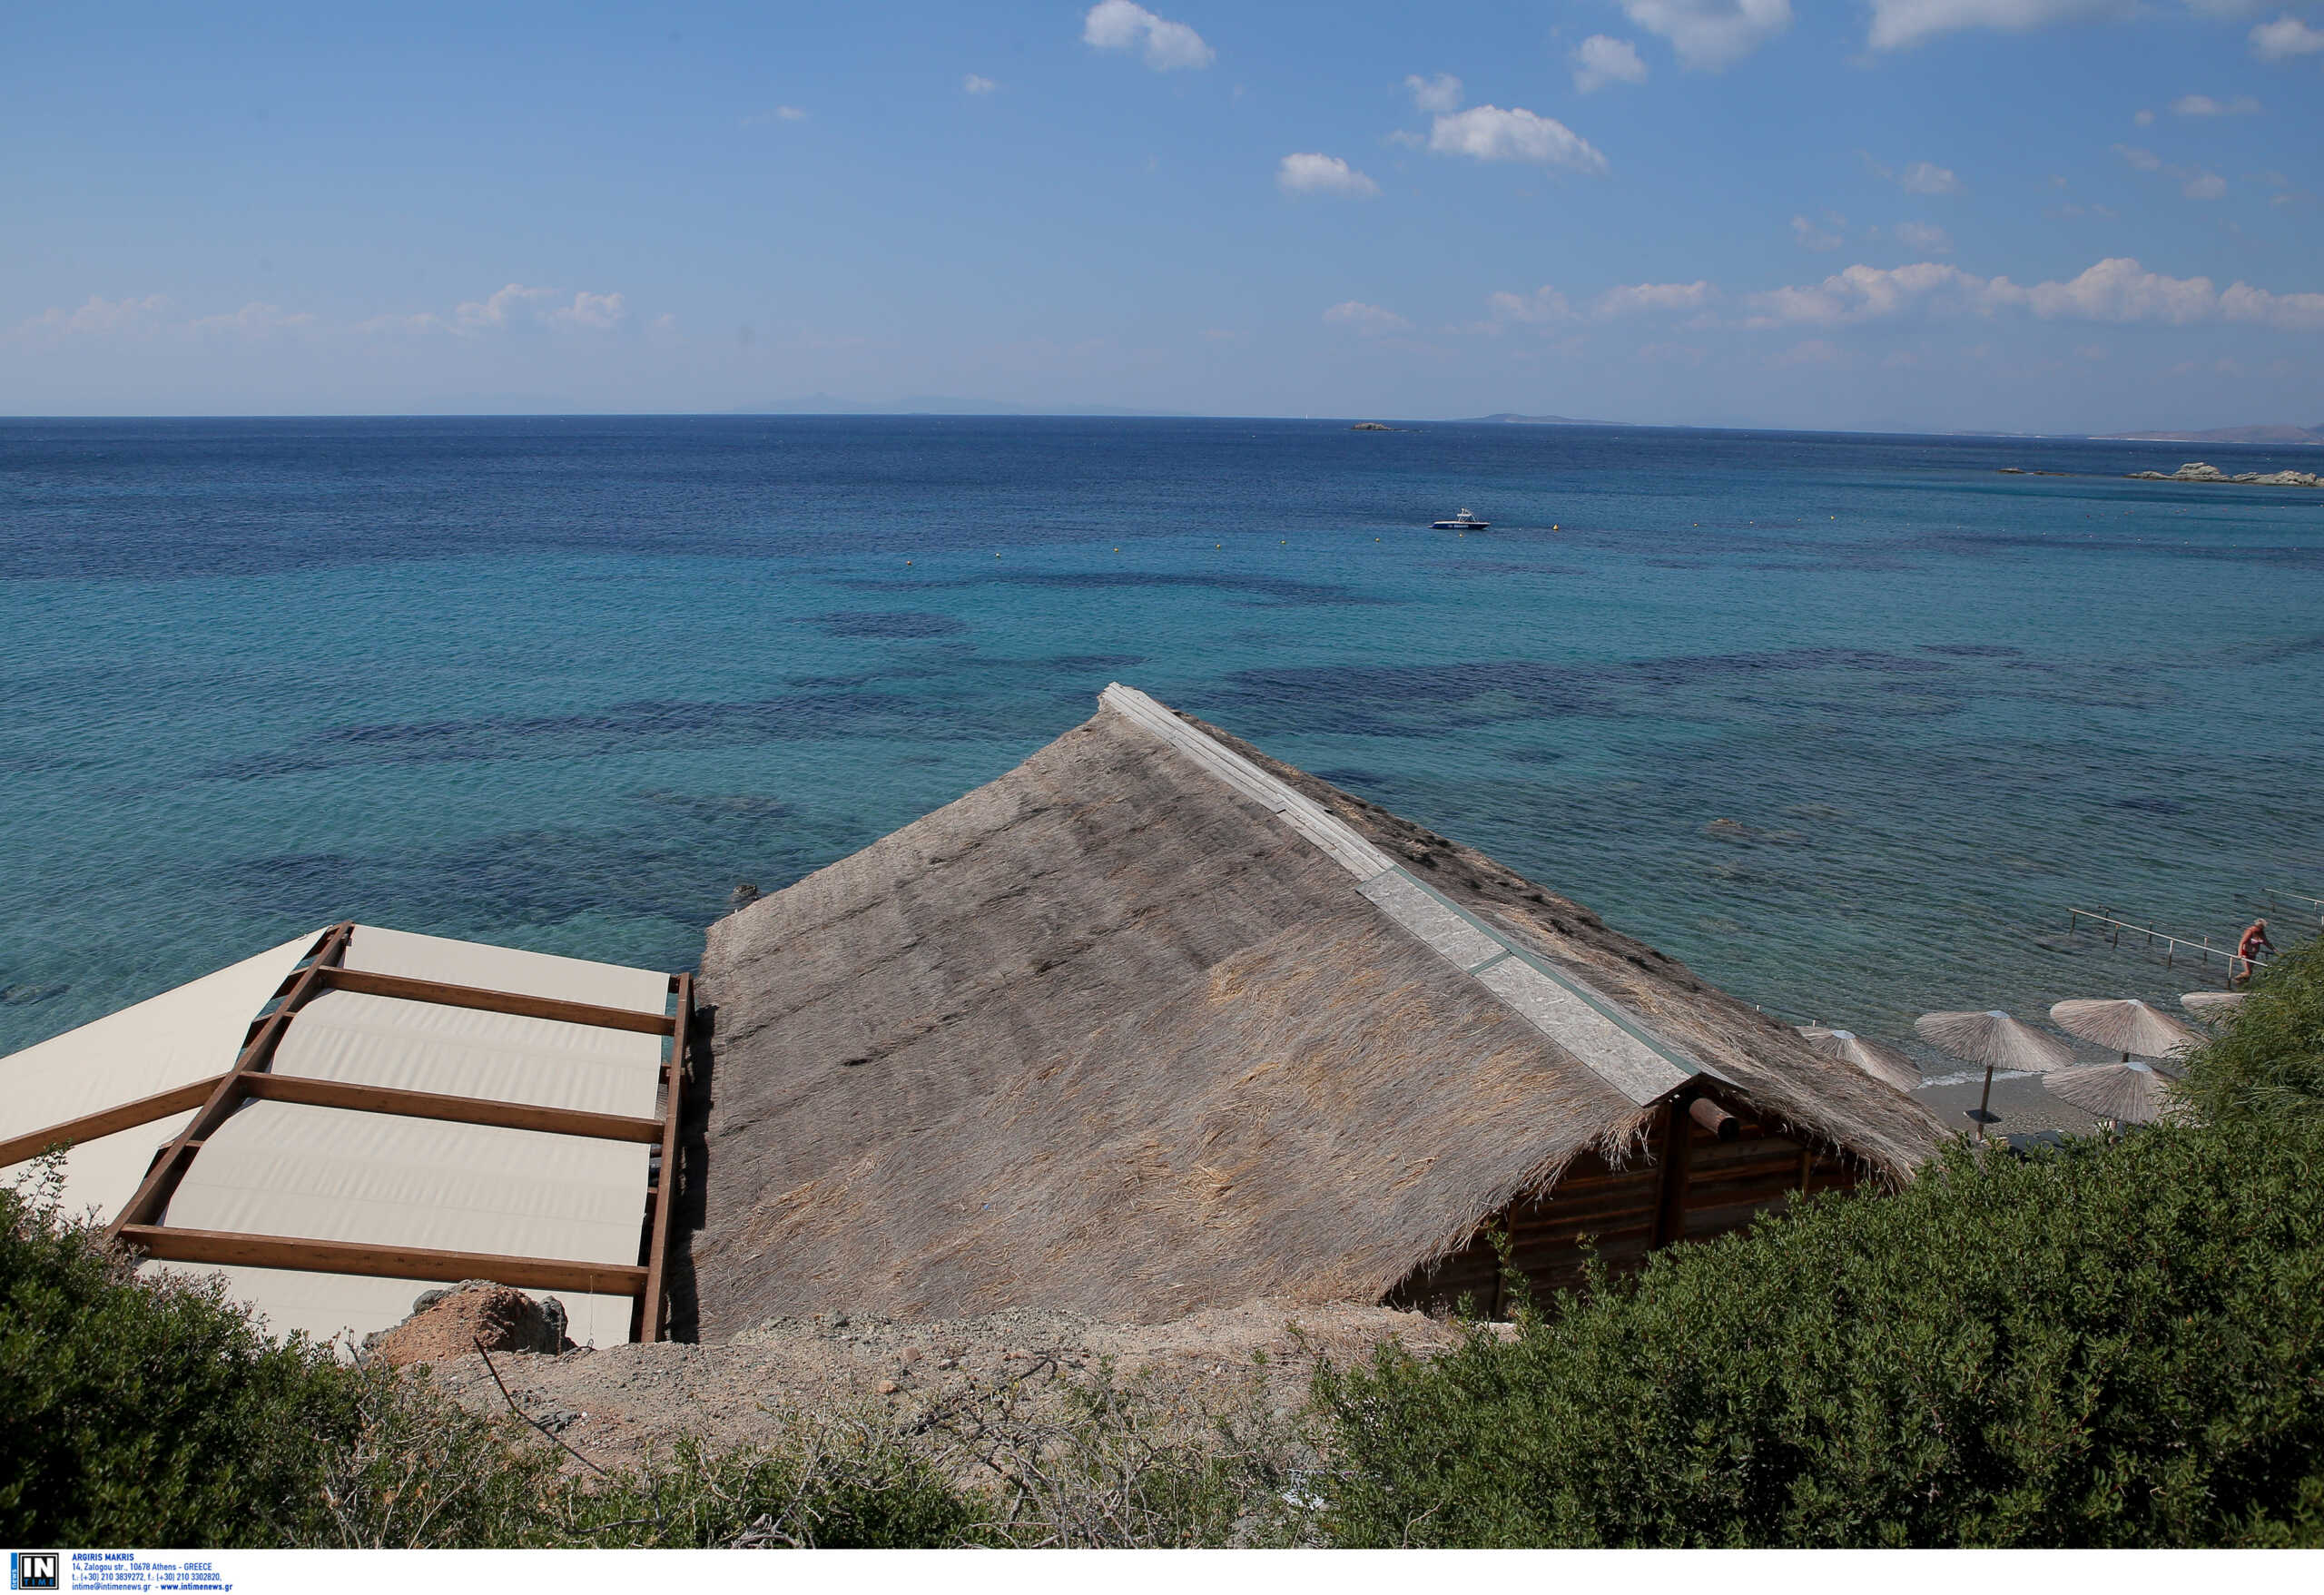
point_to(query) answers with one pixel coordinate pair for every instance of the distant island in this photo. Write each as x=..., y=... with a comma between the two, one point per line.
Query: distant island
x=824, y=404
x=1509, y=418
x=2300, y=437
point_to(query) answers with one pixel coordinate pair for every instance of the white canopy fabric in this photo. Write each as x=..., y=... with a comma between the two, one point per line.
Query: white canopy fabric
x=328, y=1174
x=182, y=1036
x=308, y=1173
x=468, y=1052
x=506, y=968
x=102, y=1175
x=356, y=1305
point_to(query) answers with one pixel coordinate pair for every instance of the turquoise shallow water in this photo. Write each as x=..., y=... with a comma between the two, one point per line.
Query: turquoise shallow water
x=1847, y=724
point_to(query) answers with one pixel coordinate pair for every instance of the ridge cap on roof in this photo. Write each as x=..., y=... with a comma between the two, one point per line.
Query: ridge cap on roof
x=1615, y=1043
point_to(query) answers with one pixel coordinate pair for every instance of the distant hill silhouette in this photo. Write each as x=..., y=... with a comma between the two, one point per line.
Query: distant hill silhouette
x=1511, y=418
x=2278, y=434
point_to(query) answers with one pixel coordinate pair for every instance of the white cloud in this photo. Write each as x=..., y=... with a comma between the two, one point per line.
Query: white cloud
x=1710, y=35
x=101, y=316
x=1123, y=24
x=2204, y=106
x=790, y=113
x=2118, y=290
x=1310, y=174
x=1898, y=24
x=1438, y=93
x=252, y=318
x=1544, y=306
x=1369, y=319
x=1599, y=59
x=1922, y=236
x=2285, y=38
x=973, y=84
x=1820, y=235
x=780, y=113
x=2143, y=119
x=2194, y=181
x=1487, y=132
x=597, y=312
x=1925, y=177
x=1644, y=297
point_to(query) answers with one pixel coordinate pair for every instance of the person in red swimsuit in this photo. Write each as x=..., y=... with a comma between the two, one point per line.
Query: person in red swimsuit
x=2255, y=937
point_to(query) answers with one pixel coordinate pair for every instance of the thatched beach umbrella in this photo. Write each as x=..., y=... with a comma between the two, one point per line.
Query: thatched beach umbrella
x=2212, y=1004
x=1991, y=1038
x=2124, y=1025
x=1884, y=1064
x=2128, y=1092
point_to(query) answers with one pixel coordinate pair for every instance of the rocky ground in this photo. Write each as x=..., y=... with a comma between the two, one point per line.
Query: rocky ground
x=615, y=1403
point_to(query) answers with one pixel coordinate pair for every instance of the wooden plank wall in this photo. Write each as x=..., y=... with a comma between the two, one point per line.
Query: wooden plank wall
x=1726, y=1183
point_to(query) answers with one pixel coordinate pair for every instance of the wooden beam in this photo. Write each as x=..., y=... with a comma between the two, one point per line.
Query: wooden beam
x=1714, y=1119
x=656, y=1307
x=515, y=1116
x=267, y=1251
x=153, y=1194
x=1677, y=1148
x=128, y=1116
x=374, y=984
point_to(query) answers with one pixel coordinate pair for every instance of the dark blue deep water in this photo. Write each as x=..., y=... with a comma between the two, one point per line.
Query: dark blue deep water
x=565, y=682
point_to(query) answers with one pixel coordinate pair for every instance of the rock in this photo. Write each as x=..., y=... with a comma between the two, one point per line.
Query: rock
x=2198, y=471
x=887, y=1387
x=1371, y=426
x=451, y=1322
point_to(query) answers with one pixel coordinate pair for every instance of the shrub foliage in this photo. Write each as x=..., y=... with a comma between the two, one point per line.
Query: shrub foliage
x=148, y=1414
x=2121, y=1343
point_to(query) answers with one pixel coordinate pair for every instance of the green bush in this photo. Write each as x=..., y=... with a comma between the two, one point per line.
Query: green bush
x=2121, y=1343
x=148, y=1414
x=2268, y=1061
x=424, y=1472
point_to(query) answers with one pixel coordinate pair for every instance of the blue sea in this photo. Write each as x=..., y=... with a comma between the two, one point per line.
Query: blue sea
x=1848, y=723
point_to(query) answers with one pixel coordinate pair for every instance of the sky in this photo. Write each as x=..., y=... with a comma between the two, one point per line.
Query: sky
x=2029, y=215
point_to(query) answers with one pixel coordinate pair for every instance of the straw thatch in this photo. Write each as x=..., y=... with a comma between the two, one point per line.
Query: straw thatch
x=2212, y=1004
x=1991, y=1039
x=2128, y=1092
x=1108, y=1036
x=2125, y=1025
x=1884, y=1064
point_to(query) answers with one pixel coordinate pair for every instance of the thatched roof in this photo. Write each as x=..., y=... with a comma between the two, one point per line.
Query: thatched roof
x=1116, y=1036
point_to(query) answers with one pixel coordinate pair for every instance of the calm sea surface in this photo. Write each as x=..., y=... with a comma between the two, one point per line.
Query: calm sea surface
x=1846, y=723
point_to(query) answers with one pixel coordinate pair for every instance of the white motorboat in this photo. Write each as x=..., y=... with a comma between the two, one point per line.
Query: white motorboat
x=1466, y=521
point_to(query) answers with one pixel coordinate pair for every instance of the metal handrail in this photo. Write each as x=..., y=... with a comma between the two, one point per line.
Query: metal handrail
x=2200, y=948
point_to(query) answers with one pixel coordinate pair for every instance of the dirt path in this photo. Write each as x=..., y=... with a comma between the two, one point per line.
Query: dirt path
x=614, y=1403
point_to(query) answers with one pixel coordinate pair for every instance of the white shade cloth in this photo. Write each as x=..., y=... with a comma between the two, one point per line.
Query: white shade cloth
x=506, y=968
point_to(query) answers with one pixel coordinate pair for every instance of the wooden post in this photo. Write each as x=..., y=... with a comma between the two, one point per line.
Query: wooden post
x=160, y=1181
x=654, y=1309
x=1678, y=1153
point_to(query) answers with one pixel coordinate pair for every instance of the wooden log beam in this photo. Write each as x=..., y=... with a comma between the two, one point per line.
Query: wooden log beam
x=128, y=1116
x=374, y=984
x=152, y=1194
x=1678, y=1145
x=1714, y=1119
x=515, y=1116
x=267, y=1251
x=654, y=1311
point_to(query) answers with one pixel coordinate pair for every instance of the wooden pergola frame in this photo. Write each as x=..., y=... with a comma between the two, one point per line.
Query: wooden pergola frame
x=139, y=1223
